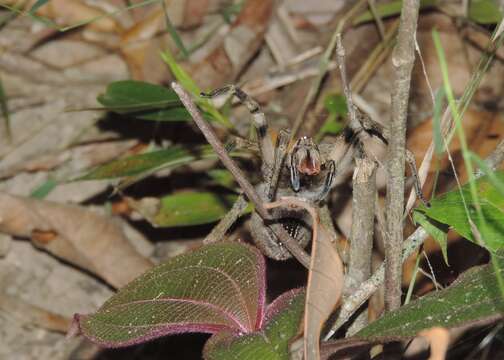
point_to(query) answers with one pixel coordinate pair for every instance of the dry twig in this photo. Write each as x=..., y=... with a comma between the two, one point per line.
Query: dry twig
x=361, y=245
x=403, y=58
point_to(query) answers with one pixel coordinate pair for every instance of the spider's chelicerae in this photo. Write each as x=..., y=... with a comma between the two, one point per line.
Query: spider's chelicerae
x=301, y=170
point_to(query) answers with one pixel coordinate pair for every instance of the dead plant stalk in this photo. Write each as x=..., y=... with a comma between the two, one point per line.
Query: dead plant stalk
x=403, y=58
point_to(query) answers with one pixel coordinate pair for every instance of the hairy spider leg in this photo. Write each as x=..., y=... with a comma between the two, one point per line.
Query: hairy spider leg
x=294, y=173
x=258, y=119
x=377, y=130
x=328, y=180
x=280, y=152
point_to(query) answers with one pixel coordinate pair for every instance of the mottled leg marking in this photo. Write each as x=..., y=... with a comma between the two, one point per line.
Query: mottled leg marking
x=328, y=180
x=410, y=159
x=258, y=119
x=280, y=151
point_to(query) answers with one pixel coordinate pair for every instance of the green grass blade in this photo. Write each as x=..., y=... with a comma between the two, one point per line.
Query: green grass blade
x=173, y=33
x=5, y=111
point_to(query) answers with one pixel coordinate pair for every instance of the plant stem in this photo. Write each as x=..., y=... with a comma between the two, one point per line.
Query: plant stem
x=403, y=58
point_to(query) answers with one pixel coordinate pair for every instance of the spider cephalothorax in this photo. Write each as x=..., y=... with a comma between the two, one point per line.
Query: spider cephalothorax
x=306, y=161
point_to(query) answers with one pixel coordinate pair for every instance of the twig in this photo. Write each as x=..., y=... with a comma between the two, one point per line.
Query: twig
x=239, y=176
x=369, y=287
x=376, y=16
x=340, y=58
x=323, y=66
x=219, y=230
x=494, y=159
x=361, y=244
x=403, y=58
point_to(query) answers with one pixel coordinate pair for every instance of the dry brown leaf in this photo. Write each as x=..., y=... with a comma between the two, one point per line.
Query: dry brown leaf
x=227, y=60
x=72, y=12
x=439, y=339
x=325, y=279
x=75, y=234
x=29, y=314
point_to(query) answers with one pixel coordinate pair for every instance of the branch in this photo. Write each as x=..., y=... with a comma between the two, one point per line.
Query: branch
x=403, y=58
x=323, y=67
x=369, y=287
x=290, y=243
x=361, y=244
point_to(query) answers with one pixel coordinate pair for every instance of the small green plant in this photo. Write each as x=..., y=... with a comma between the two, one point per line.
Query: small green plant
x=218, y=289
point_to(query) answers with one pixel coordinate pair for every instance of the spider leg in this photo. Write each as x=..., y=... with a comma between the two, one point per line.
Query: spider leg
x=294, y=174
x=328, y=180
x=258, y=119
x=410, y=159
x=377, y=130
x=280, y=151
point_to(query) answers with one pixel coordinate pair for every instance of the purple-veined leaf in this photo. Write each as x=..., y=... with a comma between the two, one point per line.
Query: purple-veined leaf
x=282, y=323
x=215, y=288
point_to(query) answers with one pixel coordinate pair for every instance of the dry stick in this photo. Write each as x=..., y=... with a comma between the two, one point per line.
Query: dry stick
x=369, y=287
x=340, y=59
x=323, y=67
x=403, y=58
x=377, y=17
x=361, y=244
x=239, y=176
x=219, y=231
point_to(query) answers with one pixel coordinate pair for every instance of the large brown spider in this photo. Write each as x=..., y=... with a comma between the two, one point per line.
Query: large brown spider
x=301, y=171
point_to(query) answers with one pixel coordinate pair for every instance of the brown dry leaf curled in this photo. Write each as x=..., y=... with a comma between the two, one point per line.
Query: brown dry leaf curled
x=439, y=339
x=75, y=234
x=325, y=279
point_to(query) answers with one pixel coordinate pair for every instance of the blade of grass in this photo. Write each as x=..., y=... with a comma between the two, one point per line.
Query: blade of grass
x=173, y=33
x=37, y=6
x=188, y=83
x=454, y=108
x=413, y=280
x=5, y=111
x=48, y=22
x=499, y=185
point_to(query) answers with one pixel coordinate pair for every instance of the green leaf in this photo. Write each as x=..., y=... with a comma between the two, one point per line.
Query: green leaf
x=188, y=83
x=283, y=319
x=180, y=74
x=217, y=287
x=335, y=104
x=449, y=209
x=222, y=177
x=185, y=208
x=44, y=189
x=388, y=9
x=144, y=101
x=151, y=161
x=484, y=11
x=473, y=297
x=438, y=231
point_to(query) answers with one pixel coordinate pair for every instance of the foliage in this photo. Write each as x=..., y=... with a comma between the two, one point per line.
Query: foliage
x=217, y=289
x=474, y=297
x=143, y=101
x=450, y=209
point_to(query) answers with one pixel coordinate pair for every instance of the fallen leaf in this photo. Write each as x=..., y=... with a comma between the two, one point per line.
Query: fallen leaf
x=325, y=279
x=227, y=60
x=439, y=339
x=75, y=234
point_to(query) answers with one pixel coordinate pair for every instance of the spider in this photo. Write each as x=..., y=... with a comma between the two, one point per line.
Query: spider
x=302, y=170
